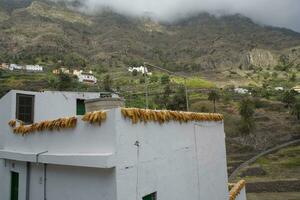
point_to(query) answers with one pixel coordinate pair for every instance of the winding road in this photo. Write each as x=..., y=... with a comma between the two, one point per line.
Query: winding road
x=252, y=160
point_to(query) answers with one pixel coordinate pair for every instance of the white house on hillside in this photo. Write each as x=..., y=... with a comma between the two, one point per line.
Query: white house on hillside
x=85, y=77
x=34, y=68
x=29, y=68
x=112, y=154
x=141, y=69
x=13, y=67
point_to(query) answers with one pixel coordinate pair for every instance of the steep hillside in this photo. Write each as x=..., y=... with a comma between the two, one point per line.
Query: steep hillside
x=40, y=30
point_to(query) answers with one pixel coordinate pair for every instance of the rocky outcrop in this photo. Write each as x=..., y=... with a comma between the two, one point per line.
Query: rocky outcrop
x=262, y=58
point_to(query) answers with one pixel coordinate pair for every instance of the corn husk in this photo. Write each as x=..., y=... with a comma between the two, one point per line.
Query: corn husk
x=62, y=123
x=12, y=123
x=95, y=117
x=236, y=189
x=142, y=115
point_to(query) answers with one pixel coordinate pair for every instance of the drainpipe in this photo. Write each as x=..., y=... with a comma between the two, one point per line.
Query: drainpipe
x=38, y=155
x=28, y=172
x=45, y=173
x=45, y=181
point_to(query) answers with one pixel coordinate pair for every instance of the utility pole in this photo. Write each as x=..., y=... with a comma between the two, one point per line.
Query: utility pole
x=171, y=73
x=146, y=87
x=186, y=94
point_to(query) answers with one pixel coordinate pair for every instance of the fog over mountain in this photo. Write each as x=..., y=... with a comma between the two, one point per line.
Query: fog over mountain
x=281, y=13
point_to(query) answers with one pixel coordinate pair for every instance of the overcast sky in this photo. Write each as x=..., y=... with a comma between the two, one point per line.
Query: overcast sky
x=282, y=13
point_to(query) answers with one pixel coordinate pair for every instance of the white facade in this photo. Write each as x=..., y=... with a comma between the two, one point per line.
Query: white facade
x=36, y=68
x=141, y=69
x=175, y=161
x=30, y=68
x=85, y=77
x=13, y=67
x=279, y=88
x=241, y=91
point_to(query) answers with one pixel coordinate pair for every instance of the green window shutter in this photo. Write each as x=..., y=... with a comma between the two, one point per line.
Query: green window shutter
x=150, y=197
x=14, y=190
x=80, y=107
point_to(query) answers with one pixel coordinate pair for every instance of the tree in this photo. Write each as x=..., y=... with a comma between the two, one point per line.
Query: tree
x=289, y=98
x=178, y=101
x=293, y=77
x=164, y=100
x=214, y=96
x=246, y=109
x=107, y=83
x=165, y=79
x=296, y=109
x=65, y=82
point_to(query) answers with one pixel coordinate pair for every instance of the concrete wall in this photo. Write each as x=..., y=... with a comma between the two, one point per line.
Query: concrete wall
x=83, y=139
x=74, y=183
x=6, y=114
x=6, y=167
x=62, y=183
x=178, y=161
x=52, y=105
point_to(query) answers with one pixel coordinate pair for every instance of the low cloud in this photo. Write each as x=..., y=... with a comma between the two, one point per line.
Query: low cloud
x=281, y=13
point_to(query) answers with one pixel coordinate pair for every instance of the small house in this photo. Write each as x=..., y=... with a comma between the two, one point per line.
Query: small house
x=34, y=68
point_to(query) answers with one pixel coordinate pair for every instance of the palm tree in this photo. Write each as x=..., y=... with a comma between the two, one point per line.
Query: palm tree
x=247, y=111
x=214, y=96
x=296, y=109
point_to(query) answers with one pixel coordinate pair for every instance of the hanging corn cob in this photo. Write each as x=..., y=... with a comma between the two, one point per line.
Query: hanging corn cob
x=237, y=188
x=12, y=123
x=95, y=117
x=141, y=115
x=57, y=124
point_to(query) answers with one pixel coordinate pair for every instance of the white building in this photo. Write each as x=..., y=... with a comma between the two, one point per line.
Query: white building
x=34, y=68
x=296, y=88
x=141, y=69
x=85, y=77
x=13, y=67
x=29, y=68
x=121, y=159
x=241, y=91
x=279, y=88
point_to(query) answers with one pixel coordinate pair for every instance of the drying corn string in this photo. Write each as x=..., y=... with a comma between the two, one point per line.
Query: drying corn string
x=95, y=117
x=57, y=124
x=141, y=115
x=237, y=188
x=12, y=123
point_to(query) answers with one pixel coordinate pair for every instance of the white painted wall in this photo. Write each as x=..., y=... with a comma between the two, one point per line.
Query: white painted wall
x=166, y=162
x=74, y=183
x=62, y=183
x=84, y=139
x=6, y=167
x=178, y=161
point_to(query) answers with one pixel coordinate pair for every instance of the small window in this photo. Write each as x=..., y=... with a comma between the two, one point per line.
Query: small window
x=152, y=196
x=14, y=186
x=80, y=108
x=25, y=108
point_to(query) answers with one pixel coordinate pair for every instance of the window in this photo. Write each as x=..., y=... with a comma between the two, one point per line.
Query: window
x=80, y=108
x=14, y=186
x=25, y=108
x=152, y=196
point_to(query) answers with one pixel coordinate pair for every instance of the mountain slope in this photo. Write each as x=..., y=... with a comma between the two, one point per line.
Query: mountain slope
x=45, y=30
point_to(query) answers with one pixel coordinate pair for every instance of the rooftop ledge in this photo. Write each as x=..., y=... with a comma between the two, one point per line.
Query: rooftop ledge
x=103, y=160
